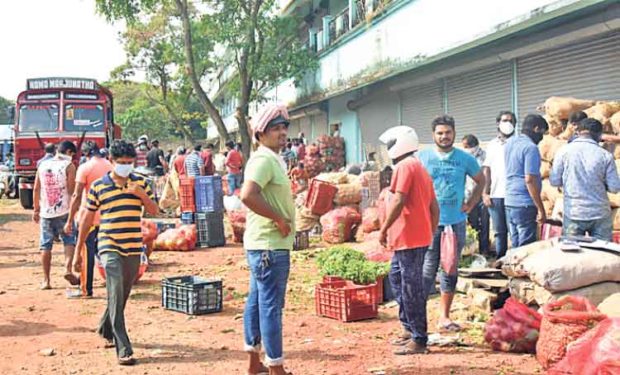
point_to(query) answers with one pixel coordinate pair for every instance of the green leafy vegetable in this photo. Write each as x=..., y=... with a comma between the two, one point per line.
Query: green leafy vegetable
x=351, y=265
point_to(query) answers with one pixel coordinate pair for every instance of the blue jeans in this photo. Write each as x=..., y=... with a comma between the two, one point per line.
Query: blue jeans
x=500, y=226
x=432, y=258
x=522, y=225
x=52, y=227
x=262, y=317
x=600, y=228
x=406, y=278
x=234, y=182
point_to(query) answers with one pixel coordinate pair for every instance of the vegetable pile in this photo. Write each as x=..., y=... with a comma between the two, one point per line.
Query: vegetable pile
x=182, y=238
x=350, y=265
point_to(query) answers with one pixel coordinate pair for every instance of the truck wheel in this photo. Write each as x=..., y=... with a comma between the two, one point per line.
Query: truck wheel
x=25, y=198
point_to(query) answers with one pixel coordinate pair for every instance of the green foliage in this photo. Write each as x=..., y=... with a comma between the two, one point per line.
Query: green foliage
x=351, y=265
x=4, y=103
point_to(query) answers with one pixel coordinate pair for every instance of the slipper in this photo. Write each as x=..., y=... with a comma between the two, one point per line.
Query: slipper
x=45, y=286
x=72, y=279
x=127, y=361
x=450, y=327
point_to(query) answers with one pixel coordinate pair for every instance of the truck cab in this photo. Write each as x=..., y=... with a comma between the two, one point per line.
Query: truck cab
x=51, y=110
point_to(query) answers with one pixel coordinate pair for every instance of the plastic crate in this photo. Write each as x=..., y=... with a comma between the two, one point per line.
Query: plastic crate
x=192, y=295
x=550, y=230
x=186, y=194
x=615, y=237
x=320, y=198
x=209, y=194
x=379, y=285
x=187, y=218
x=163, y=226
x=302, y=240
x=210, y=229
x=345, y=301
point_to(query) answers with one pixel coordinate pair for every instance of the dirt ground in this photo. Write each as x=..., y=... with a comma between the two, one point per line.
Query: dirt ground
x=167, y=342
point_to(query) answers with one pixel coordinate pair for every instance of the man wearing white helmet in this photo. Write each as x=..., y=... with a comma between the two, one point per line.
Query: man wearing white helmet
x=494, y=170
x=142, y=149
x=449, y=167
x=413, y=206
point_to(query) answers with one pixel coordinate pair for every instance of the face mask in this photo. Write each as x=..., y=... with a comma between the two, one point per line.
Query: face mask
x=65, y=157
x=123, y=170
x=535, y=137
x=506, y=127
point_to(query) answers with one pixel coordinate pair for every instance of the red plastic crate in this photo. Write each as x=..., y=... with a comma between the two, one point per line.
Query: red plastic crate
x=320, y=198
x=186, y=194
x=379, y=285
x=346, y=301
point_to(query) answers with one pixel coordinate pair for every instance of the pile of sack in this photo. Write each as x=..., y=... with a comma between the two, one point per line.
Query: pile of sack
x=332, y=152
x=541, y=272
x=182, y=238
x=556, y=112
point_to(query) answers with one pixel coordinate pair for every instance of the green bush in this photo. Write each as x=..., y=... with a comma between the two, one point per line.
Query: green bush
x=351, y=265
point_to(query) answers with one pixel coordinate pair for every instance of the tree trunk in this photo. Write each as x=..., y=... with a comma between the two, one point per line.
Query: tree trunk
x=190, y=68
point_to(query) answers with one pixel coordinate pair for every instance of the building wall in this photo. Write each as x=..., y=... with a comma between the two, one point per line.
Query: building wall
x=349, y=126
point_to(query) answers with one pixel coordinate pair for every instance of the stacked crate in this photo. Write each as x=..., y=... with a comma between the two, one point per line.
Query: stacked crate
x=207, y=210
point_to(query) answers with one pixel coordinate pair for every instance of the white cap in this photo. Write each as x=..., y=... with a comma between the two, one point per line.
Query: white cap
x=506, y=127
x=400, y=140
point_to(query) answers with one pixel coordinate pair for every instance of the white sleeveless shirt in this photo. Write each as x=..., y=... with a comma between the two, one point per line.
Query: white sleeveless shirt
x=54, y=200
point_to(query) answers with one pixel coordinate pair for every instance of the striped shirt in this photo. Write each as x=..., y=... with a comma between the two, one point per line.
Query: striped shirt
x=193, y=163
x=121, y=213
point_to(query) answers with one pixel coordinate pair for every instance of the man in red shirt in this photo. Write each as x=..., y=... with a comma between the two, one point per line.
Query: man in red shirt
x=234, y=162
x=179, y=162
x=207, y=158
x=413, y=205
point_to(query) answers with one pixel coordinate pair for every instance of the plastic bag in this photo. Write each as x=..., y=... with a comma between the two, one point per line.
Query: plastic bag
x=448, y=253
x=564, y=321
x=514, y=328
x=597, y=352
x=338, y=224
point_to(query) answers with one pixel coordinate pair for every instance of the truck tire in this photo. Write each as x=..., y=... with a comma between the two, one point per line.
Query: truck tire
x=25, y=198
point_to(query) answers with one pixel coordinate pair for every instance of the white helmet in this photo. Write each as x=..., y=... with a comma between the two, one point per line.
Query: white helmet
x=400, y=140
x=143, y=138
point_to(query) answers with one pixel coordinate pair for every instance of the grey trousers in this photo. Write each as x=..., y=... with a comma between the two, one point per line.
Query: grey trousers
x=121, y=272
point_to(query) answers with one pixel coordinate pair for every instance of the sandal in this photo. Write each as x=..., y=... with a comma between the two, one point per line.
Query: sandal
x=72, y=279
x=127, y=361
x=449, y=327
x=45, y=286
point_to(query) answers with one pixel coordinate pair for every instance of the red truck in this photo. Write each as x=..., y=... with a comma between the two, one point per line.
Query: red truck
x=51, y=110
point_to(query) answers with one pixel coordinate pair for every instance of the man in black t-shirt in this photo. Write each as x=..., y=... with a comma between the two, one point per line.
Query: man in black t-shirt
x=155, y=159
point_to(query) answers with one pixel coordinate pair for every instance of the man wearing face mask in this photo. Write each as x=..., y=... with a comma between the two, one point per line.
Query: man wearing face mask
x=494, y=170
x=523, y=181
x=449, y=167
x=586, y=172
x=478, y=218
x=268, y=240
x=142, y=151
x=53, y=186
x=119, y=196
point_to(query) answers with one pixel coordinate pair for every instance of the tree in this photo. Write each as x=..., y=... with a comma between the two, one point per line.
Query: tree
x=4, y=116
x=263, y=46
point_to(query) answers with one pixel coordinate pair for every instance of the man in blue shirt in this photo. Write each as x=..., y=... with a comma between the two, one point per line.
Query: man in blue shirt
x=586, y=172
x=523, y=181
x=449, y=168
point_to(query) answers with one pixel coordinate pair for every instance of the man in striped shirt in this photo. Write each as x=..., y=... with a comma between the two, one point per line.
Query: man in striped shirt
x=119, y=197
x=194, y=164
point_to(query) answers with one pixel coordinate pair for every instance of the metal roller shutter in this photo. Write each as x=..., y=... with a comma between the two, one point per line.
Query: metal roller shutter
x=475, y=99
x=419, y=106
x=375, y=117
x=586, y=70
x=319, y=126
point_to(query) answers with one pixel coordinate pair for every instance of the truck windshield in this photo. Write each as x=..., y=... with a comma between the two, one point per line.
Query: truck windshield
x=38, y=117
x=83, y=117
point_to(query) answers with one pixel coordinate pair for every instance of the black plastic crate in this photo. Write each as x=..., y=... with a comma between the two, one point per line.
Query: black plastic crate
x=192, y=295
x=210, y=229
x=187, y=218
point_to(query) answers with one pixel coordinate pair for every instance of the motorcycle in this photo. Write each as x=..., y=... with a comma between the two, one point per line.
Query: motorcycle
x=7, y=183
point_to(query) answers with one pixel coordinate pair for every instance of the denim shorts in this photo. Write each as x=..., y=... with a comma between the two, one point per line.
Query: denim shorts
x=53, y=227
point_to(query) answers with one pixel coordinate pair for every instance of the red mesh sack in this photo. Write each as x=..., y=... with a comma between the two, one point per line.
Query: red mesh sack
x=597, y=352
x=338, y=224
x=370, y=220
x=514, y=328
x=564, y=321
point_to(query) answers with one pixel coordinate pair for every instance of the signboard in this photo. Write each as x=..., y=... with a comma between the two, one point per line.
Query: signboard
x=61, y=83
x=81, y=96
